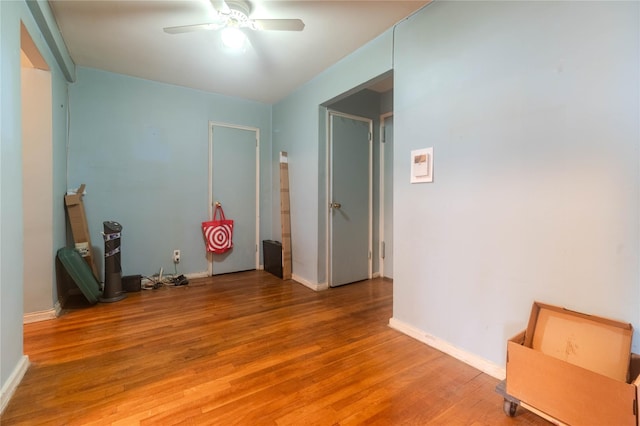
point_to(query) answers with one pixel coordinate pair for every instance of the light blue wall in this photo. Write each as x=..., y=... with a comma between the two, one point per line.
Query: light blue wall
x=532, y=111
x=386, y=102
x=298, y=128
x=11, y=260
x=11, y=224
x=141, y=148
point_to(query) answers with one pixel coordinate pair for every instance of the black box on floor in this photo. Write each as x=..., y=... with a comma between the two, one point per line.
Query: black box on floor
x=131, y=283
x=272, y=254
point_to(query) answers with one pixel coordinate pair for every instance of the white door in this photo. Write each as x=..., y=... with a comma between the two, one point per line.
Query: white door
x=349, y=198
x=234, y=171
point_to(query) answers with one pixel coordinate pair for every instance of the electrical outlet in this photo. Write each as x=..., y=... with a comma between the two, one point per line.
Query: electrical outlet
x=176, y=256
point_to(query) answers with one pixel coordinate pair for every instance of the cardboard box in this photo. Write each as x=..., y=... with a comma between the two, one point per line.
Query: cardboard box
x=574, y=368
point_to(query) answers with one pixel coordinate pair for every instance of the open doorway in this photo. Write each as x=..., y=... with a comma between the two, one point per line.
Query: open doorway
x=373, y=100
x=37, y=184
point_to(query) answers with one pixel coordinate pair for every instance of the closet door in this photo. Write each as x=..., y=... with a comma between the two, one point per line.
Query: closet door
x=350, y=198
x=234, y=182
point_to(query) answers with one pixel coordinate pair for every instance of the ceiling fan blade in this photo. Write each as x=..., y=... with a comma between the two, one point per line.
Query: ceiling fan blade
x=220, y=6
x=279, y=24
x=192, y=28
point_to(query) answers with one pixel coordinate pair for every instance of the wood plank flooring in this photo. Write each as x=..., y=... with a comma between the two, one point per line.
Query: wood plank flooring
x=246, y=349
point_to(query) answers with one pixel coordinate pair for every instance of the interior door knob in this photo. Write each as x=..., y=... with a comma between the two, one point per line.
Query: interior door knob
x=335, y=205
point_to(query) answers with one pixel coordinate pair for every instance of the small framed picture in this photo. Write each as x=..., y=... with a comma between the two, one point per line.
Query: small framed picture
x=422, y=165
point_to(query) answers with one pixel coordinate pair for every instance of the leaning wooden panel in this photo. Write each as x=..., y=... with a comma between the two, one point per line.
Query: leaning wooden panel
x=285, y=217
x=569, y=393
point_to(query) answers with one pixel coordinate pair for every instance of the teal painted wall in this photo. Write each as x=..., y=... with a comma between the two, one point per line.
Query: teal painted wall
x=11, y=261
x=11, y=195
x=532, y=112
x=141, y=148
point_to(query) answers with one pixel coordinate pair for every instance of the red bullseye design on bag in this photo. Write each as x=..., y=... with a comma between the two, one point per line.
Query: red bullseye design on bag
x=219, y=237
x=218, y=233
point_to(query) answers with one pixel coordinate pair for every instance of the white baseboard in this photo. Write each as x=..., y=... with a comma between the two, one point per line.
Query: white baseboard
x=488, y=367
x=49, y=314
x=312, y=286
x=375, y=275
x=13, y=381
x=203, y=274
x=296, y=278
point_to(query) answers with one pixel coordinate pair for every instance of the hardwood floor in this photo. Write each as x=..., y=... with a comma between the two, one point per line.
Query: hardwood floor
x=246, y=349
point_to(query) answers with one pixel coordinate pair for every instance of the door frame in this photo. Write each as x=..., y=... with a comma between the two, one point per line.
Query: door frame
x=382, y=250
x=256, y=130
x=329, y=188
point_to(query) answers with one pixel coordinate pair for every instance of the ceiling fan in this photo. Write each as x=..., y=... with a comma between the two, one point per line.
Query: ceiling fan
x=235, y=14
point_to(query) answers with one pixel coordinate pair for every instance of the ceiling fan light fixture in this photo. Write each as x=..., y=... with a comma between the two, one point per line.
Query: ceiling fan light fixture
x=233, y=38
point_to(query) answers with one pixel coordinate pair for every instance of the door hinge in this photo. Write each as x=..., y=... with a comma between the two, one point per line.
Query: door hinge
x=382, y=249
x=370, y=136
x=369, y=254
x=256, y=248
x=383, y=137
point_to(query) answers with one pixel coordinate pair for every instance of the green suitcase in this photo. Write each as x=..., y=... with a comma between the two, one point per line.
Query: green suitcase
x=80, y=273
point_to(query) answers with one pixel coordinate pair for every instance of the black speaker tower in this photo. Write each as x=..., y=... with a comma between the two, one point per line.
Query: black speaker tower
x=112, y=267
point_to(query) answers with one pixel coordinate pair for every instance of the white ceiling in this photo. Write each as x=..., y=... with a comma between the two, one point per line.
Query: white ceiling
x=127, y=37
